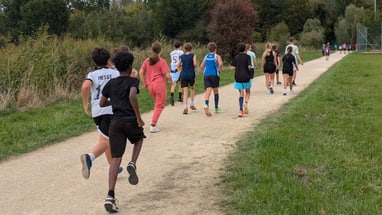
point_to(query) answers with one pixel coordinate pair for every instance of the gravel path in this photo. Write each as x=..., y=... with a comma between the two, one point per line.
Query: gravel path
x=178, y=167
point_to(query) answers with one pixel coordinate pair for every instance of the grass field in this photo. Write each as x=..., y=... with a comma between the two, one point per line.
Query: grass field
x=321, y=154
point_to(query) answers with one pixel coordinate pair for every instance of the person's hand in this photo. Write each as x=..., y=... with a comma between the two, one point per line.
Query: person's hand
x=140, y=123
x=87, y=112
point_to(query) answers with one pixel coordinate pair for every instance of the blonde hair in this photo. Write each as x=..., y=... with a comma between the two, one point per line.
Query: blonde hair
x=268, y=48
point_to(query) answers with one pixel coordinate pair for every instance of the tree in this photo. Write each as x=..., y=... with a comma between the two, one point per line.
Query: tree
x=295, y=14
x=346, y=27
x=37, y=13
x=280, y=34
x=313, y=33
x=172, y=17
x=232, y=21
x=89, y=5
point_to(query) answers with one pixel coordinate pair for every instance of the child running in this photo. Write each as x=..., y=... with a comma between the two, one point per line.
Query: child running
x=289, y=64
x=241, y=64
x=187, y=78
x=153, y=74
x=92, y=85
x=268, y=60
x=175, y=70
x=125, y=124
x=212, y=65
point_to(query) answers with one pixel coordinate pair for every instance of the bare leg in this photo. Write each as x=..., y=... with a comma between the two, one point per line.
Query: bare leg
x=113, y=172
x=101, y=147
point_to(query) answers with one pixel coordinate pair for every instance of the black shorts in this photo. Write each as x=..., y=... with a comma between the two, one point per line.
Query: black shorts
x=251, y=73
x=269, y=68
x=103, y=123
x=120, y=131
x=211, y=81
x=187, y=83
x=289, y=72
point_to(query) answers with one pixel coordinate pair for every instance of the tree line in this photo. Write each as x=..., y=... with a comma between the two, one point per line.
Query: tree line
x=138, y=22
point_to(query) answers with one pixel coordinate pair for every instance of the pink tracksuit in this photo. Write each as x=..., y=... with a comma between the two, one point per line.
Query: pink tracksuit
x=155, y=80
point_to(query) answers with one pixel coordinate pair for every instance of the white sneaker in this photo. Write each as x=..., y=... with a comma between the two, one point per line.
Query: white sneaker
x=291, y=91
x=154, y=129
x=284, y=92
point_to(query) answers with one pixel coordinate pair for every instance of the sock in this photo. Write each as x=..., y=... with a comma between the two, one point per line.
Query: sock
x=216, y=99
x=192, y=101
x=206, y=102
x=172, y=95
x=241, y=99
x=185, y=104
x=111, y=193
x=92, y=156
x=180, y=95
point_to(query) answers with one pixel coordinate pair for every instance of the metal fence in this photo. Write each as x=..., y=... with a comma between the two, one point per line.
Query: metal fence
x=369, y=38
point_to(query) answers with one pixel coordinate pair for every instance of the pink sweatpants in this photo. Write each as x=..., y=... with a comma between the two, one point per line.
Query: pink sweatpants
x=158, y=91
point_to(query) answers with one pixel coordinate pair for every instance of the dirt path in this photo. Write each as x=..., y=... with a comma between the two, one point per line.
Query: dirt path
x=178, y=167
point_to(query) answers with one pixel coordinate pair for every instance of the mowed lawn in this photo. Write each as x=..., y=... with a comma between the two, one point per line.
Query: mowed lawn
x=321, y=154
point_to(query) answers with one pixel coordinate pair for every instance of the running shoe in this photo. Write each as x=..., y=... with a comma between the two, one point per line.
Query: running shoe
x=120, y=169
x=241, y=113
x=180, y=100
x=86, y=165
x=172, y=101
x=246, y=111
x=217, y=110
x=291, y=91
x=154, y=129
x=278, y=83
x=111, y=204
x=294, y=83
x=208, y=113
x=192, y=107
x=185, y=111
x=271, y=90
x=131, y=169
x=284, y=92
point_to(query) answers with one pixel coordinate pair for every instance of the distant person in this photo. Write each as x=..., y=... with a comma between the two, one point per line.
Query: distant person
x=153, y=74
x=323, y=49
x=289, y=62
x=252, y=55
x=91, y=87
x=188, y=63
x=121, y=94
x=278, y=62
x=268, y=60
x=241, y=64
x=340, y=48
x=175, y=70
x=327, y=51
x=344, y=47
x=296, y=54
x=212, y=66
x=335, y=47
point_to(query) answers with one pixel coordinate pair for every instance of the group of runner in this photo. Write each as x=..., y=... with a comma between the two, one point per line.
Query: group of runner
x=114, y=85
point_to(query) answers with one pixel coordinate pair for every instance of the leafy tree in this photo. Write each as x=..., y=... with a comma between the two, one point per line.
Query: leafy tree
x=36, y=13
x=172, y=17
x=280, y=34
x=269, y=14
x=313, y=33
x=89, y=5
x=232, y=21
x=140, y=29
x=295, y=14
x=345, y=29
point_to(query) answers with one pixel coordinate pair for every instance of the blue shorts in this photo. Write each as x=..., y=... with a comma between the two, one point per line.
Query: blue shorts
x=242, y=86
x=175, y=75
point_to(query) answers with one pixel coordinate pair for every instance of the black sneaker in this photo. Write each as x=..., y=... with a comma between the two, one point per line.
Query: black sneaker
x=180, y=100
x=133, y=178
x=294, y=83
x=172, y=101
x=271, y=90
x=111, y=204
x=86, y=165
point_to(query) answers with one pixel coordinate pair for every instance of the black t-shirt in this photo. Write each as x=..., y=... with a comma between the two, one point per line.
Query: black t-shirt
x=118, y=90
x=288, y=61
x=241, y=63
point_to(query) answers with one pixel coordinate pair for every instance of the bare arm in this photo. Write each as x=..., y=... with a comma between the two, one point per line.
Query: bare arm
x=299, y=59
x=142, y=77
x=104, y=102
x=134, y=103
x=85, y=92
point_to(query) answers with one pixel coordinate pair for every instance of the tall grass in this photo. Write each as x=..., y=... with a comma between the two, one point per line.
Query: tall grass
x=321, y=154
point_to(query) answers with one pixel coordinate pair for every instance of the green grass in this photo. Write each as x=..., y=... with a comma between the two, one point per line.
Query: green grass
x=321, y=154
